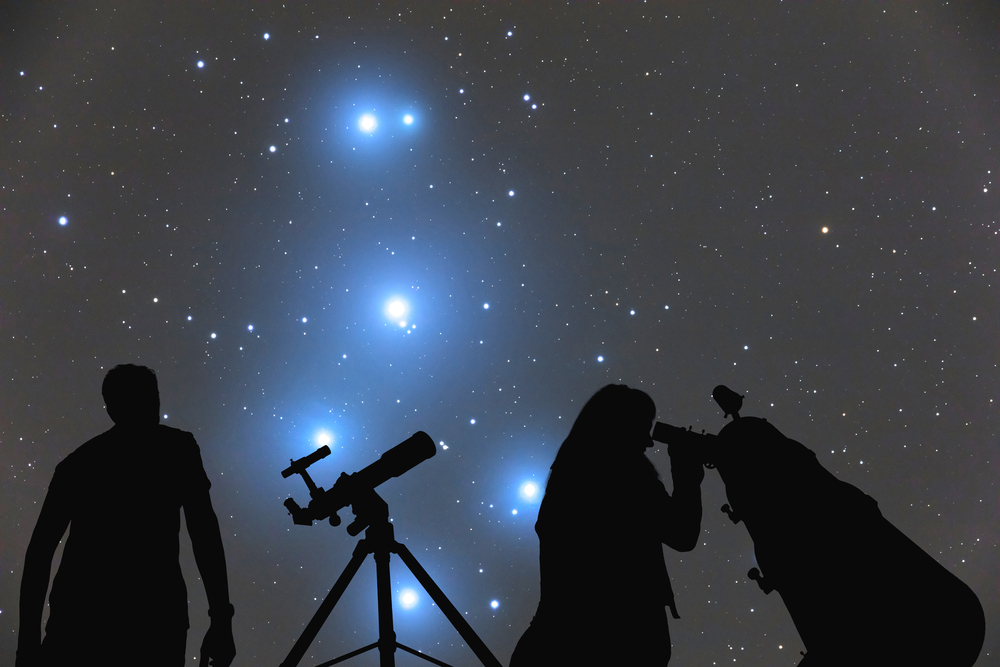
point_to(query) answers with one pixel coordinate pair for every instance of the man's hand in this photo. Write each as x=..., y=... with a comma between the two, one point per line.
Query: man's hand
x=218, y=648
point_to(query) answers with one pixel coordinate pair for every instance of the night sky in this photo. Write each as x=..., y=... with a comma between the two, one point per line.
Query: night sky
x=347, y=222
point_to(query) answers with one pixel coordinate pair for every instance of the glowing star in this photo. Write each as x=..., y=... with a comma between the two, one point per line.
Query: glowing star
x=826, y=229
x=368, y=123
x=267, y=36
x=529, y=491
x=201, y=63
x=494, y=604
x=323, y=438
x=510, y=193
x=600, y=359
x=527, y=97
x=397, y=309
x=408, y=598
x=63, y=221
x=249, y=327
x=408, y=119
x=272, y=149
x=486, y=306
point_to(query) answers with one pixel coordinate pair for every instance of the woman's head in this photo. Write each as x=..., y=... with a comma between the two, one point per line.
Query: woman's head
x=615, y=422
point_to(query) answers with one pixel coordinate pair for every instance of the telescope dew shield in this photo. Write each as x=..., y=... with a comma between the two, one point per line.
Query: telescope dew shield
x=416, y=449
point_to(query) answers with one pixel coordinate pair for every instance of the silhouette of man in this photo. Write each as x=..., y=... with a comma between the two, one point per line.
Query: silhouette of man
x=119, y=597
x=601, y=527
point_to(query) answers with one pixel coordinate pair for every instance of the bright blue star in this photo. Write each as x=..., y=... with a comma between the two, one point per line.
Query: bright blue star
x=201, y=63
x=408, y=119
x=368, y=123
x=530, y=491
x=63, y=221
x=397, y=309
x=408, y=598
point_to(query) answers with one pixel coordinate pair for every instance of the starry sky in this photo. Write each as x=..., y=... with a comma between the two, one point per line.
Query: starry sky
x=346, y=222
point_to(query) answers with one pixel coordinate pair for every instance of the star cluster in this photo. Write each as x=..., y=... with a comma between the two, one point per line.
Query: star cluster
x=340, y=224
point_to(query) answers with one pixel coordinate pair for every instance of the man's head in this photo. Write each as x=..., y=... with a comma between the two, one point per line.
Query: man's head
x=131, y=395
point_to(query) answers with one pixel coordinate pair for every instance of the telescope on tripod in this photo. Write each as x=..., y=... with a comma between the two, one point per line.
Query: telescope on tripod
x=371, y=514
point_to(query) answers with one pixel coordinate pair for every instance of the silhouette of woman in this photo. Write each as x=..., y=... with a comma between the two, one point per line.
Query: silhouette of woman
x=605, y=514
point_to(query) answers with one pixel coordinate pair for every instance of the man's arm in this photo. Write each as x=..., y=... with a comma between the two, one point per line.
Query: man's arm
x=218, y=648
x=52, y=523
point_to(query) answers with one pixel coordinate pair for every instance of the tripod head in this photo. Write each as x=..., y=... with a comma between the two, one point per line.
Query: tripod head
x=356, y=488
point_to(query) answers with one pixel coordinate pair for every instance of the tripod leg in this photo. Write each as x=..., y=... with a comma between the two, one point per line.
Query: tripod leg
x=459, y=623
x=319, y=618
x=386, y=633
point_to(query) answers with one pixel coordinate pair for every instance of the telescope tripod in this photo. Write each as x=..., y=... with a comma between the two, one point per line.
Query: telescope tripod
x=373, y=516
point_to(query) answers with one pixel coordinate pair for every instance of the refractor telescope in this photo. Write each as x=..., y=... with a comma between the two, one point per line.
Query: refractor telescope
x=372, y=515
x=322, y=504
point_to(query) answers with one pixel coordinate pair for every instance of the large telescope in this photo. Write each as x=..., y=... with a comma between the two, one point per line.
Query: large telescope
x=407, y=454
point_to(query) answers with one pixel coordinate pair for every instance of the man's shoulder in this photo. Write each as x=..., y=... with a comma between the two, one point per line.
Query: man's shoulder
x=116, y=437
x=88, y=449
x=170, y=433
